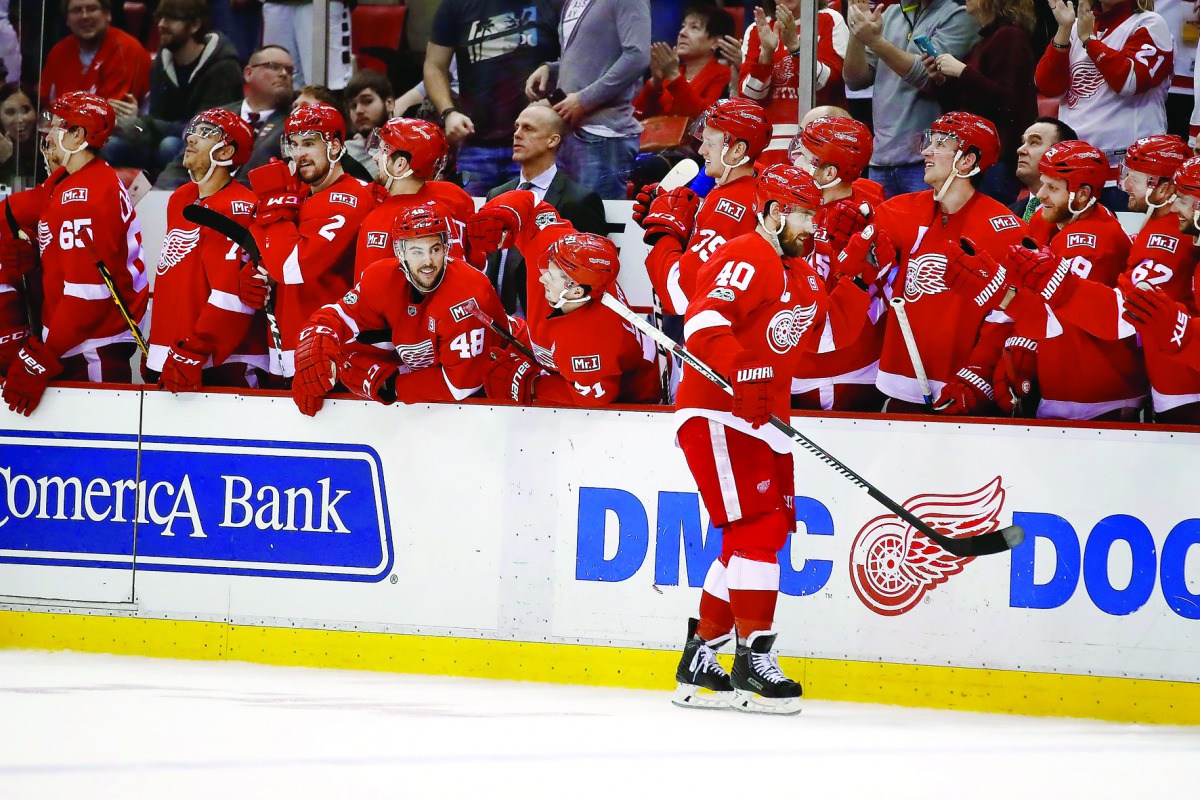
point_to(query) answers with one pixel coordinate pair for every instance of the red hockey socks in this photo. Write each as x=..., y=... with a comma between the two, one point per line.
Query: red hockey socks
x=753, y=592
x=716, y=616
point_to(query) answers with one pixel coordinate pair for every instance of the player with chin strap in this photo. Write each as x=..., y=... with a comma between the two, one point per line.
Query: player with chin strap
x=81, y=215
x=201, y=333
x=422, y=296
x=306, y=223
x=410, y=154
x=757, y=306
x=590, y=356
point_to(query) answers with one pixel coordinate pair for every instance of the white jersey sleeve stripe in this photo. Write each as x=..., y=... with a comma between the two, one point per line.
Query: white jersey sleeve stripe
x=86, y=291
x=455, y=392
x=708, y=318
x=291, y=267
x=350, y=323
x=229, y=302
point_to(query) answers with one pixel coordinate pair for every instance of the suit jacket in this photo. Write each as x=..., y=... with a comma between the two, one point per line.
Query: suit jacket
x=575, y=203
x=266, y=147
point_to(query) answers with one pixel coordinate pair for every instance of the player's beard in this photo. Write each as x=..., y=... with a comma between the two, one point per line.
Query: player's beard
x=793, y=244
x=1055, y=214
x=1188, y=227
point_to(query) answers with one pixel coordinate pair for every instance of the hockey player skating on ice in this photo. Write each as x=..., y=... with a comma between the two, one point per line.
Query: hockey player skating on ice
x=82, y=215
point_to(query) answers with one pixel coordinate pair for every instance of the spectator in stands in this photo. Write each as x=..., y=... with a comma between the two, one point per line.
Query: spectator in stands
x=496, y=45
x=770, y=73
x=536, y=141
x=369, y=101
x=606, y=48
x=901, y=107
x=21, y=166
x=1044, y=133
x=1112, y=66
x=96, y=58
x=995, y=81
x=289, y=24
x=196, y=69
x=313, y=94
x=686, y=79
x=267, y=84
x=10, y=47
x=241, y=22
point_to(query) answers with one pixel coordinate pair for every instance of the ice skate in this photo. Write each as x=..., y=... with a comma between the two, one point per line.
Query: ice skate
x=759, y=685
x=703, y=682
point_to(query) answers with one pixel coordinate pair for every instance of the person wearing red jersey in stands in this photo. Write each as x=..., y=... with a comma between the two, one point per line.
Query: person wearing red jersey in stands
x=96, y=58
x=201, y=333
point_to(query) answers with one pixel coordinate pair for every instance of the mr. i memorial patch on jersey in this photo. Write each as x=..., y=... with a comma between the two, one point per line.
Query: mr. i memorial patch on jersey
x=77, y=195
x=377, y=239
x=1160, y=241
x=241, y=208
x=731, y=209
x=462, y=310
x=345, y=198
x=1081, y=240
x=1005, y=223
x=586, y=363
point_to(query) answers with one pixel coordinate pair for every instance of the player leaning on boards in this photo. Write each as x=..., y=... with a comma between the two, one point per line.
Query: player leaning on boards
x=307, y=220
x=587, y=355
x=422, y=296
x=201, y=333
x=81, y=215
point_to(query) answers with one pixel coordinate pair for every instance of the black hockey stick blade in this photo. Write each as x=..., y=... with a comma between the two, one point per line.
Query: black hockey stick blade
x=478, y=313
x=239, y=234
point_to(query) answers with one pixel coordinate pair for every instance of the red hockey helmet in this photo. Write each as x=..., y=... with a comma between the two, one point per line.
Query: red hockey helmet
x=89, y=112
x=1078, y=163
x=1187, y=178
x=789, y=186
x=316, y=118
x=1159, y=155
x=587, y=258
x=739, y=119
x=421, y=142
x=229, y=127
x=418, y=222
x=971, y=131
x=841, y=141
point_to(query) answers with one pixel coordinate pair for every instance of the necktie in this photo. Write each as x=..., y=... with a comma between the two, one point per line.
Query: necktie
x=256, y=121
x=526, y=185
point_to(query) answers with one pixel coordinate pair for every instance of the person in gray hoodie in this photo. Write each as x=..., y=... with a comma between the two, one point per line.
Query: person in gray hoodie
x=195, y=69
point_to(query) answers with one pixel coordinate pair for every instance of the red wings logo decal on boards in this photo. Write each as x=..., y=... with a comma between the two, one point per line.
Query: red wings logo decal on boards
x=175, y=247
x=892, y=567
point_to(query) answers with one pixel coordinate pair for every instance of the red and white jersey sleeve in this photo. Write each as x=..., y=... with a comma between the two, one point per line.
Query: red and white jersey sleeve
x=196, y=280
x=950, y=331
x=312, y=259
x=88, y=217
x=442, y=348
x=726, y=213
x=375, y=236
x=748, y=301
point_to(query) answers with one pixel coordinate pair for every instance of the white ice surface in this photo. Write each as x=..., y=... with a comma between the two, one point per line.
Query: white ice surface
x=89, y=726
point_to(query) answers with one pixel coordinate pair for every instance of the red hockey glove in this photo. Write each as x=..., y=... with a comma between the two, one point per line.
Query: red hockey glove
x=280, y=193
x=976, y=274
x=869, y=251
x=182, y=367
x=1016, y=373
x=309, y=404
x=318, y=352
x=369, y=376
x=672, y=214
x=254, y=286
x=493, y=227
x=1163, y=323
x=965, y=393
x=752, y=390
x=510, y=376
x=844, y=219
x=17, y=257
x=1042, y=272
x=28, y=375
x=641, y=203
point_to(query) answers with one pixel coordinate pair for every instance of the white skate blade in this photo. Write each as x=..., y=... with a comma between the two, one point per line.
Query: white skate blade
x=751, y=703
x=688, y=696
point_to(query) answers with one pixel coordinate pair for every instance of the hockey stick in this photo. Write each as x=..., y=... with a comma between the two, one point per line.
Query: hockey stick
x=241, y=236
x=31, y=317
x=968, y=547
x=107, y=277
x=478, y=313
x=914, y=355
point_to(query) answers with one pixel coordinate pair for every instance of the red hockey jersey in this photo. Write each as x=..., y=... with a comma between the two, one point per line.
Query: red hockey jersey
x=312, y=259
x=749, y=299
x=196, y=283
x=726, y=213
x=950, y=330
x=442, y=348
x=375, y=236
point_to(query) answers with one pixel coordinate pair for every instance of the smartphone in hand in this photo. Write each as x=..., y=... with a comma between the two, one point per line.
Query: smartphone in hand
x=925, y=45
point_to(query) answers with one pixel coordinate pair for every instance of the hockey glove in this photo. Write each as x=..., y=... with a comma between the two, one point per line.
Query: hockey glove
x=641, y=203
x=1163, y=323
x=182, y=368
x=17, y=257
x=28, y=375
x=752, y=390
x=309, y=404
x=254, y=286
x=974, y=273
x=1016, y=373
x=509, y=376
x=318, y=353
x=492, y=226
x=369, y=376
x=280, y=193
x=844, y=219
x=1042, y=272
x=965, y=393
x=869, y=251
x=672, y=214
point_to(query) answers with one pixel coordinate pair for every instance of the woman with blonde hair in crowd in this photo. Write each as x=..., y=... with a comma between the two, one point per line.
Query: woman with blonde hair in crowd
x=995, y=81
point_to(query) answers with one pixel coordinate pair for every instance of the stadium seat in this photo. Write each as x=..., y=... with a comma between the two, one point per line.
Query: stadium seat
x=1047, y=106
x=662, y=133
x=135, y=18
x=739, y=19
x=376, y=28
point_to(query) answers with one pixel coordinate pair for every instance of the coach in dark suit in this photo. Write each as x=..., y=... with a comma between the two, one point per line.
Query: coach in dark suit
x=268, y=85
x=535, y=143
